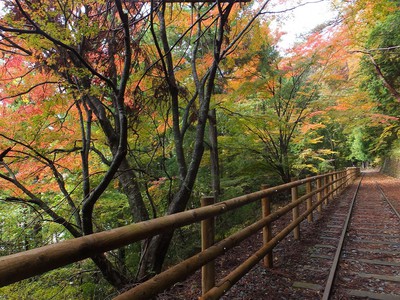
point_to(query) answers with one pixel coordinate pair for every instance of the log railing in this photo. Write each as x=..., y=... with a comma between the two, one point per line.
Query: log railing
x=33, y=262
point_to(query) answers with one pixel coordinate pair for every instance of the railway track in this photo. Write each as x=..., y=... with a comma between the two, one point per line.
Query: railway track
x=351, y=251
x=356, y=251
x=367, y=259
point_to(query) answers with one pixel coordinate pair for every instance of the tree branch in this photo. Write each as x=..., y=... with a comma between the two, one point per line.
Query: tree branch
x=29, y=90
x=386, y=83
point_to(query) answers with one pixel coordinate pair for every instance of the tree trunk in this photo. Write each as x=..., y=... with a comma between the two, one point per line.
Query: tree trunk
x=213, y=135
x=115, y=278
x=130, y=187
x=384, y=80
x=156, y=248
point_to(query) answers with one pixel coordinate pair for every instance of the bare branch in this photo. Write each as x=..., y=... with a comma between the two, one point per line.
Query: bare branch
x=35, y=200
x=29, y=90
x=4, y=153
x=14, y=45
x=293, y=8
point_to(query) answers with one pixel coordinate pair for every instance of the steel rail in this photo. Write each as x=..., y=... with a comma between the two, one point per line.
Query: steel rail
x=332, y=273
x=387, y=200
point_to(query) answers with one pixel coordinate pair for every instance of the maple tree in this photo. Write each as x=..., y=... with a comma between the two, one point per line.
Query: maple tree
x=346, y=47
x=74, y=65
x=285, y=99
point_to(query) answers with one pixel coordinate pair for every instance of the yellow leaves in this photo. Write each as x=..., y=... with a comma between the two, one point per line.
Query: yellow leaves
x=302, y=167
x=246, y=73
x=184, y=75
x=307, y=155
x=326, y=152
x=363, y=14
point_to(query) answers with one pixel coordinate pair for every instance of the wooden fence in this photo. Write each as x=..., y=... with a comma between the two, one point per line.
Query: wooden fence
x=319, y=190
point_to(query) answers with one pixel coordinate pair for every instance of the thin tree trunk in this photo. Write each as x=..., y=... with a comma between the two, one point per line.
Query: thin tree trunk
x=384, y=80
x=130, y=188
x=213, y=135
x=157, y=247
x=155, y=253
x=115, y=278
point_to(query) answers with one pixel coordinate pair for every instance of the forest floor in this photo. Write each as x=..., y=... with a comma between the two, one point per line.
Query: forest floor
x=291, y=258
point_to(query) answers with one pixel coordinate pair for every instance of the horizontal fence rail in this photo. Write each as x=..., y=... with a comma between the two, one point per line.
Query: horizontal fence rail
x=33, y=262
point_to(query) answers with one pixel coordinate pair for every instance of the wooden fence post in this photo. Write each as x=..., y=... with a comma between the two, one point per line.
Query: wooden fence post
x=207, y=240
x=343, y=180
x=319, y=194
x=352, y=173
x=335, y=185
x=309, y=201
x=326, y=190
x=267, y=230
x=331, y=187
x=295, y=212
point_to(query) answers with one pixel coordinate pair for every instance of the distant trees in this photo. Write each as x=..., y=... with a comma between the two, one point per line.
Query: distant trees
x=382, y=59
x=284, y=101
x=276, y=102
x=380, y=75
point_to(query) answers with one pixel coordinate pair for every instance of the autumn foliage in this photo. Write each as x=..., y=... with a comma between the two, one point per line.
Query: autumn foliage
x=106, y=109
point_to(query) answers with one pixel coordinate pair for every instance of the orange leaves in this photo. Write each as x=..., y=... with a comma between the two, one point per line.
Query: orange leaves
x=327, y=47
x=163, y=126
x=310, y=127
x=316, y=113
x=343, y=106
x=23, y=84
x=208, y=59
x=383, y=119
